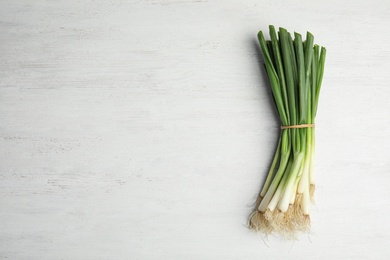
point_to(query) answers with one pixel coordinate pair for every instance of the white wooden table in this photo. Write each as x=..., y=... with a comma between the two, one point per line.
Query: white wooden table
x=144, y=129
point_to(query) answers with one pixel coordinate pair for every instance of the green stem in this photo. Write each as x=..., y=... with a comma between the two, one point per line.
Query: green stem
x=296, y=166
x=271, y=170
x=285, y=156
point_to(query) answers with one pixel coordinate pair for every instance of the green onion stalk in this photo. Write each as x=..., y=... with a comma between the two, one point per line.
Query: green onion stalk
x=295, y=69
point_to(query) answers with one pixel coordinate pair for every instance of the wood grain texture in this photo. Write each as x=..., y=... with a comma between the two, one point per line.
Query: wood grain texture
x=144, y=129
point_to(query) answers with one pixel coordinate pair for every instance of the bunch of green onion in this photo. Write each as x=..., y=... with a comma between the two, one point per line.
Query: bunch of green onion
x=295, y=70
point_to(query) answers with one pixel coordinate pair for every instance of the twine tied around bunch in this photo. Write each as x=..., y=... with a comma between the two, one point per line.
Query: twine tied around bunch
x=297, y=126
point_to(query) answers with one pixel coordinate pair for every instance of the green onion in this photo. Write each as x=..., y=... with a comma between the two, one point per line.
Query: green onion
x=295, y=69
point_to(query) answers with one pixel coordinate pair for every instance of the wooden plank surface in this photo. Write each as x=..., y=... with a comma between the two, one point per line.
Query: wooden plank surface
x=144, y=129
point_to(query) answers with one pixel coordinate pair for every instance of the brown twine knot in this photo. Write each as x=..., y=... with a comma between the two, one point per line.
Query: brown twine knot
x=297, y=126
